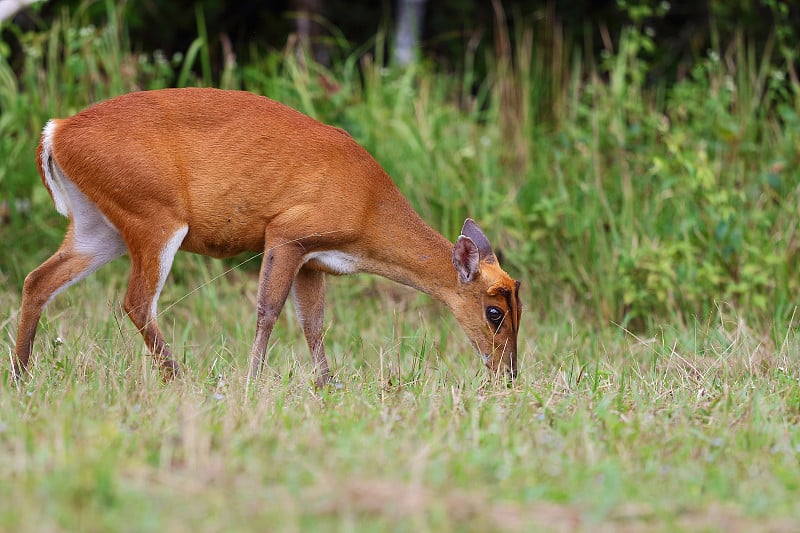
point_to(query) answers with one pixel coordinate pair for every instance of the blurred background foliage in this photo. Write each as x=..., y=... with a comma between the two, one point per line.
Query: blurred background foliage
x=679, y=31
x=634, y=161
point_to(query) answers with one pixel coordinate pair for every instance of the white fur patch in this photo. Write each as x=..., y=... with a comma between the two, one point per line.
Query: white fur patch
x=165, y=264
x=52, y=174
x=336, y=261
x=94, y=234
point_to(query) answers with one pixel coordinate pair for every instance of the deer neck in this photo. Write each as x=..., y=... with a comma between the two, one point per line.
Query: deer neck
x=408, y=251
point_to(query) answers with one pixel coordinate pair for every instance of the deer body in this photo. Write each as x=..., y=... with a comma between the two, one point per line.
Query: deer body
x=223, y=172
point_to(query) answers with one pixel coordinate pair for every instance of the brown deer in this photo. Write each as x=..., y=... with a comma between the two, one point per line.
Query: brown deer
x=223, y=172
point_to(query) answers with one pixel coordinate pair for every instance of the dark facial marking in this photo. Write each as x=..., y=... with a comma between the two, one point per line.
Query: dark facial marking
x=512, y=302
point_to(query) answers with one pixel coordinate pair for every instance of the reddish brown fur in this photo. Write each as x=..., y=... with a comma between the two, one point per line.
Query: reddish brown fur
x=245, y=173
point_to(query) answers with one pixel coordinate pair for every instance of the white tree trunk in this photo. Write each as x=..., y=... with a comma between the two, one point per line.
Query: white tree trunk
x=410, y=14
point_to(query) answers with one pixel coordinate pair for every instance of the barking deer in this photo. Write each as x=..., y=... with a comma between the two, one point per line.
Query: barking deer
x=219, y=173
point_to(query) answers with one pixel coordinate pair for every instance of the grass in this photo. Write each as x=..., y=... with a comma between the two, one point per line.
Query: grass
x=693, y=428
x=653, y=227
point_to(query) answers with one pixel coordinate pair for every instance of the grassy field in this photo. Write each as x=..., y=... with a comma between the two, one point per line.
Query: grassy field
x=654, y=230
x=693, y=428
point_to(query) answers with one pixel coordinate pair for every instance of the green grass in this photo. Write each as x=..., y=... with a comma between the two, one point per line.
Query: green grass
x=694, y=428
x=654, y=230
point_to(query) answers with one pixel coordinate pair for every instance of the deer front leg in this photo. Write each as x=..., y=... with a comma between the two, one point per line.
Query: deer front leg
x=278, y=268
x=308, y=292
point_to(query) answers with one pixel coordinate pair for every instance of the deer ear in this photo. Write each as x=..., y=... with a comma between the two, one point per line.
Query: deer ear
x=472, y=231
x=466, y=259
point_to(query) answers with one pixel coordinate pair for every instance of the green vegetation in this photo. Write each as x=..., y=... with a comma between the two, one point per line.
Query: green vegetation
x=654, y=227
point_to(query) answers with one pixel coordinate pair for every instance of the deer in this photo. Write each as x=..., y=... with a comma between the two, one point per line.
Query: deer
x=220, y=173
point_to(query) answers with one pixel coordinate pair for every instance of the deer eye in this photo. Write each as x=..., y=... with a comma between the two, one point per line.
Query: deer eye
x=494, y=315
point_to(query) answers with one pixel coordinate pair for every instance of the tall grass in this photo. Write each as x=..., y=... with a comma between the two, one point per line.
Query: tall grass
x=629, y=199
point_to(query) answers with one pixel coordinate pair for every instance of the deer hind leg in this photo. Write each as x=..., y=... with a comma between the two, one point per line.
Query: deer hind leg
x=91, y=242
x=308, y=293
x=278, y=268
x=150, y=266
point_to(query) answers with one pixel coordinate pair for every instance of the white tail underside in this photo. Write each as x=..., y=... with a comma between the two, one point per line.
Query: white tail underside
x=52, y=175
